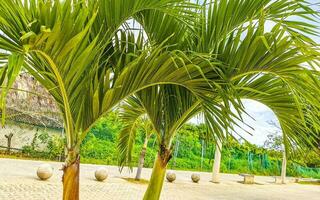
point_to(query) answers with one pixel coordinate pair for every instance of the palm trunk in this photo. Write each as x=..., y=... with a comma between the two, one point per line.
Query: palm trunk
x=159, y=171
x=141, y=160
x=283, y=168
x=70, y=178
x=217, y=161
x=156, y=181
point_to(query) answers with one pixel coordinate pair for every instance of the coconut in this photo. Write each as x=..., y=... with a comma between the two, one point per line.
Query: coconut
x=45, y=171
x=171, y=177
x=101, y=174
x=195, y=178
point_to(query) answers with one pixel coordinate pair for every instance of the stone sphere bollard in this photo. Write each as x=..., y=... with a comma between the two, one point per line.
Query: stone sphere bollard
x=101, y=174
x=171, y=177
x=45, y=171
x=195, y=178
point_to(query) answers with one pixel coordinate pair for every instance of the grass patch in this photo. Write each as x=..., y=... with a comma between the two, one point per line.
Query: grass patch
x=22, y=157
x=132, y=180
x=309, y=182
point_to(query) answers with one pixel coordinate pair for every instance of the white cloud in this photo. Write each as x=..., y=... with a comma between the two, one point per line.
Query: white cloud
x=259, y=117
x=261, y=114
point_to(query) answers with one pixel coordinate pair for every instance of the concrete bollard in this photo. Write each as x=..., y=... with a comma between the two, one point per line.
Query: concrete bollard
x=45, y=171
x=101, y=174
x=171, y=177
x=195, y=178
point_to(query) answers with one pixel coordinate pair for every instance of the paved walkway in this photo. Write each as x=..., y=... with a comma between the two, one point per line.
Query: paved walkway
x=18, y=181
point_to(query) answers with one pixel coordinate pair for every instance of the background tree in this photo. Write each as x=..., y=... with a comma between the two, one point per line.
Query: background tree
x=275, y=140
x=147, y=126
x=134, y=119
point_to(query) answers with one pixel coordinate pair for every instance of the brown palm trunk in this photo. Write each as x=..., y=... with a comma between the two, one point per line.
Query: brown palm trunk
x=141, y=160
x=70, y=180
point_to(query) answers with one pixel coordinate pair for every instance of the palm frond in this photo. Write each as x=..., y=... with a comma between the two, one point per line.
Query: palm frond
x=131, y=111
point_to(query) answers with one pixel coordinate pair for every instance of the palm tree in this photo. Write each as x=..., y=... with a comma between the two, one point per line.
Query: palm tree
x=130, y=129
x=74, y=50
x=168, y=108
x=147, y=126
x=269, y=65
x=264, y=65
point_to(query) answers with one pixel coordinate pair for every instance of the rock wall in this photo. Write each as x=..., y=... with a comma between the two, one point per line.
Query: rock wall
x=30, y=108
x=30, y=103
x=35, y=99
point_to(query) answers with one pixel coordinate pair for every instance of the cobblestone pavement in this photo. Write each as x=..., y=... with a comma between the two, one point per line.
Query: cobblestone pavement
x=18, y=181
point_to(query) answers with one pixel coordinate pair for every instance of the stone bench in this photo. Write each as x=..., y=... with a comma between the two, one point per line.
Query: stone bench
x=247, y=178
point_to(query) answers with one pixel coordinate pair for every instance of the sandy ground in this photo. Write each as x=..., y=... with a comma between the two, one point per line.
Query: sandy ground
x=18, y=181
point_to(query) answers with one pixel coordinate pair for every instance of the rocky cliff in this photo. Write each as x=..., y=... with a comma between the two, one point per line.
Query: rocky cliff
x=29, y=102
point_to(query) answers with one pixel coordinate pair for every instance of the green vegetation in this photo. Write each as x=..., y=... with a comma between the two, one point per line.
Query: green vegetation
x=100, y=147
x=45, y=146
x=309, y=182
